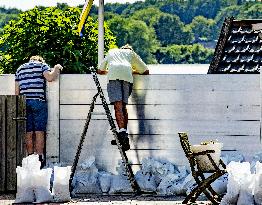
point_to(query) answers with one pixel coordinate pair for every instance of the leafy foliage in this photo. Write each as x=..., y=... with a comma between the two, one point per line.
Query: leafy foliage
x=184, y=54
x=203, y=29
x=137, y=34
x=51, y=33
x=170, y=30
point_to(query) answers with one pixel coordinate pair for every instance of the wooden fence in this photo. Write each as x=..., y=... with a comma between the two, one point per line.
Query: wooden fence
x=12, y=132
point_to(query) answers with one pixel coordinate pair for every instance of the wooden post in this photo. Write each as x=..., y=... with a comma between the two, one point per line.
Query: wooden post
x=2, y=143
x=21, y=129
x=100, y=31
x=11, y=143
x=52, y=134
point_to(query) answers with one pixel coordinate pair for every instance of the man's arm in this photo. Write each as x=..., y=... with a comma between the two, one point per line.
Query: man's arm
x=101, y=72
x=144, y=73
x=138, y=65
x=52, y=75
x=17, y=88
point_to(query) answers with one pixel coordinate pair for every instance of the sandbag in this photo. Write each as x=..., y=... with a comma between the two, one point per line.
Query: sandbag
x=25, y=192
x=31, y=162
x=105, y=181
x=120, y=184
x=258, y=183
x=170, y=185
x=86, y=178
x=236, y=173
x=86, y=182
x=146, y=181
x=41, y=184
x=158, y=168
x=61, y=184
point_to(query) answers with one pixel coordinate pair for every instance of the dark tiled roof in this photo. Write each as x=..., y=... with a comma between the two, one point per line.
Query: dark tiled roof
x=239, y=48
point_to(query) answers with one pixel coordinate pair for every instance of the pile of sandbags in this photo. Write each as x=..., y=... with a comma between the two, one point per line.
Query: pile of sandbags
x=33, y=183
x=86, y=179
x=244, y=187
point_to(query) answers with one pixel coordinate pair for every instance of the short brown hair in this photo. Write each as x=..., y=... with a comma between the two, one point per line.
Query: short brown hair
x=37, y=58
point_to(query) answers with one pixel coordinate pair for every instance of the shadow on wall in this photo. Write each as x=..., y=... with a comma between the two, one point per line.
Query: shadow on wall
x=144, y=130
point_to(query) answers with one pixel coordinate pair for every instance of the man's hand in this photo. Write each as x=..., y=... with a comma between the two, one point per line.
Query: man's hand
x=101, y=72
x=144, y=73
x=59, y=67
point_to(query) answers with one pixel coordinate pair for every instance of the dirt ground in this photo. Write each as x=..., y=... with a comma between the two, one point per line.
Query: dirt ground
x=114, y=200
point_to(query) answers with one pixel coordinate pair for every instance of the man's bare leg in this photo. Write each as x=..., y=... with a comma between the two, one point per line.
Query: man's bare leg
x=39, y=145
x=125, y=115
x=39, y=142
x=29, y=143
x=120, y=118
x=120, y=109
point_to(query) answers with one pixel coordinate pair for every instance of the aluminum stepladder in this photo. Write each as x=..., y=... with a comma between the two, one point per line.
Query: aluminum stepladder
x=110, y=119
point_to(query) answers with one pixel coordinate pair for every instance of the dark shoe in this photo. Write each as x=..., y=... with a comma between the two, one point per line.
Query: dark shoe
x=123, y=139
x=43, y=163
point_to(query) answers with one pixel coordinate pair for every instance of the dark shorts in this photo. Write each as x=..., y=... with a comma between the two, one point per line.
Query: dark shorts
x=36, y=113
x=119, y=90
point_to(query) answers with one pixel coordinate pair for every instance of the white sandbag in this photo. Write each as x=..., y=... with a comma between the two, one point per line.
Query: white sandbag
x=105, y=181
x=220, y=185
x=181, y=171
x=245, y=198
x=120, y=184
x=170, y=185
x=258, y=183
x=158, y=168
x=235, y=157
x=41, y=184
x=86, y=178
x=25, y=192
x=188, y=184
x=146, y=181
x=31, y=162
x=61, y=184
x=236, y=173
x=86, y=182
x=121, y=170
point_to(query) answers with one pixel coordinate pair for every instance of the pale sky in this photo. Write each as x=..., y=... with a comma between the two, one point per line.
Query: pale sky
x=29, y=4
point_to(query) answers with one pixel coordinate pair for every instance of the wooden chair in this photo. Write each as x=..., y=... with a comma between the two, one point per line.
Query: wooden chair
x=203, y=183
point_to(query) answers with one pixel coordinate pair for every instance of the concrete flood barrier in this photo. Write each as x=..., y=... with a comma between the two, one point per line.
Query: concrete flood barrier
x=222, y=107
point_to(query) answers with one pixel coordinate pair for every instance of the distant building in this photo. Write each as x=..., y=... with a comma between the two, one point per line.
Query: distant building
x=239, y=48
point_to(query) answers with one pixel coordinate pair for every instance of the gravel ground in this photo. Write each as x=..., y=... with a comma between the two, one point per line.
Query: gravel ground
x=114, y=200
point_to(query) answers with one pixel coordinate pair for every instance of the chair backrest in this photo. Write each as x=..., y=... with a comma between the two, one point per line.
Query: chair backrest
x=186, y=147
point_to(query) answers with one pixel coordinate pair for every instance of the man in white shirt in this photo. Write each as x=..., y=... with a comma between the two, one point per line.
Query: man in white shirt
x=120, y=65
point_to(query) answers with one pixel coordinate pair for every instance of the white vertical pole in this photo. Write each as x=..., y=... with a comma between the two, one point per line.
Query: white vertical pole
x=100, y=31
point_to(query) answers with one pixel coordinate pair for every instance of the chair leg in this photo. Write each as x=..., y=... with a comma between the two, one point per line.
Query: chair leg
x=202, y=186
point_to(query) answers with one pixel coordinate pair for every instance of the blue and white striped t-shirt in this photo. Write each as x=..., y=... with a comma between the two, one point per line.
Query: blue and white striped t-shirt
x=31, y=79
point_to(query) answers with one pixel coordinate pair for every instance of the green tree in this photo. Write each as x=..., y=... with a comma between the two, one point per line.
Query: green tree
x=51, y=33
x=148, y=15
x=143, y=39
x=227, y=12
x=118, y=26
x=176, y=54
x=203, y=29
x=253, y=12
x=170, y=30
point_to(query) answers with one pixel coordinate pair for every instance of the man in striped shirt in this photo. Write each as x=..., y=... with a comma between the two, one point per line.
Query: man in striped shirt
x=30, y=80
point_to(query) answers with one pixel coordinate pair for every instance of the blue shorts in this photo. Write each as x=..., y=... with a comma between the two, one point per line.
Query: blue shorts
x=119, y=90
x=36, y=113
